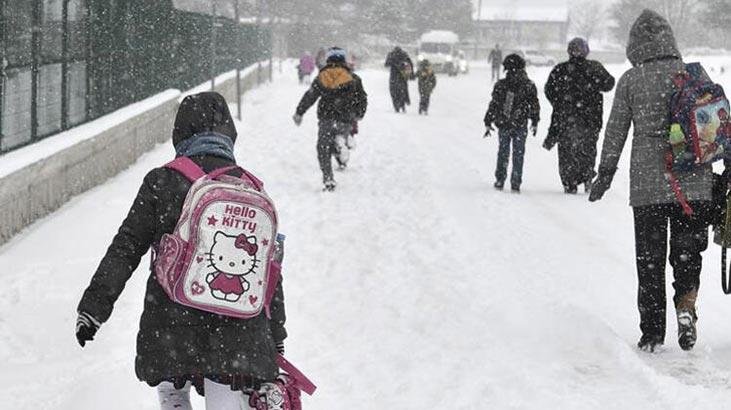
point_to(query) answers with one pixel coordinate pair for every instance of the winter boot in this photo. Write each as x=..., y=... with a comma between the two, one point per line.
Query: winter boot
x=499, y=185
x=329, y=185
x=515, y=189
x=649, y=343
x=570, y=190
x=687, y=334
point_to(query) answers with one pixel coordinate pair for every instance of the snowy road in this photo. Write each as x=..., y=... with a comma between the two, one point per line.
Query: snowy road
x=415, y=286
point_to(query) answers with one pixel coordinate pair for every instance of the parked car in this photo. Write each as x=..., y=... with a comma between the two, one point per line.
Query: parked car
x=536, y=58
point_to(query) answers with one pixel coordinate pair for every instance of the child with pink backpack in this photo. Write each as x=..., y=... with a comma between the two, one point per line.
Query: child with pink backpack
x=213, y=314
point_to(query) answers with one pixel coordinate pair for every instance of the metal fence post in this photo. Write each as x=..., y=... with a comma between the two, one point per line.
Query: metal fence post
x=64, y=64
x=34, y=68
x=3, y=63
x=238, y=59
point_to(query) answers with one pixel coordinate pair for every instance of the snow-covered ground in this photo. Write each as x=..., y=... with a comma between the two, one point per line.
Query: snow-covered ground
x=415, y=286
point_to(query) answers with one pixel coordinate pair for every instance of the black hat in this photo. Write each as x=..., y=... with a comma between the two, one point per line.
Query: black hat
x=513, y=62
x=207, y=111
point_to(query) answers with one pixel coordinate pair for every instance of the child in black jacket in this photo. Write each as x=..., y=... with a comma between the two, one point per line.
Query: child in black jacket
x=427, y=83
x=514, y=102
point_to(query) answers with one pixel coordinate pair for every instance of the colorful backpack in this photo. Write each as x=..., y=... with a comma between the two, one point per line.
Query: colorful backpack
x=700, y=127
x=219, y=258
x=285, y=392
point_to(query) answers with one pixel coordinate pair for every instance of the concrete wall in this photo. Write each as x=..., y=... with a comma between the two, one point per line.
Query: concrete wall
x=42, y=185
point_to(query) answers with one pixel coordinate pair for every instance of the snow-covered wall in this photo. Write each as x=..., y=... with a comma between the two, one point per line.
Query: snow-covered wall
x=38, y=179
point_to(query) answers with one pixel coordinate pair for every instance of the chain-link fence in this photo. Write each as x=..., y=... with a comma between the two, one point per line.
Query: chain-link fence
x=65, y=62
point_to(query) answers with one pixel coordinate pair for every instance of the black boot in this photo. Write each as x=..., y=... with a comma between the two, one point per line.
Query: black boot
x=649, y=343
x=687, y=334
x=499, y=185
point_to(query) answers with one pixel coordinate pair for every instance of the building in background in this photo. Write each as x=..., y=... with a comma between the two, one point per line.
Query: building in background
x=520, y=25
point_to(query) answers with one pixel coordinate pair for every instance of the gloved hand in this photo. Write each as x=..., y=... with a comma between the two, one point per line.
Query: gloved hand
x=534, y=129
x=489, y=131
x=86, y=327
x=601, y=184
x=297, y=119
x=546, y=145
x=280, y=348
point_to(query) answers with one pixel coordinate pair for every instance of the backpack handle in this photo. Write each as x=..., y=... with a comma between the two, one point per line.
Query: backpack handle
x=302, y=381
x=194, y=172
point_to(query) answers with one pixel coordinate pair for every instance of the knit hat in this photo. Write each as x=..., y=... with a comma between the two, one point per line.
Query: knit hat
x=336, y=55
x=578, y=47
x=513, y=62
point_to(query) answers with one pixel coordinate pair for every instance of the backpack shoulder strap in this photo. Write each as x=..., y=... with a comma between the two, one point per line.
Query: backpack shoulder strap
x=187, y=168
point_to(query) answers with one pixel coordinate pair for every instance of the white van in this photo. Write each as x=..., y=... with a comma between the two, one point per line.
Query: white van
x=440, y=48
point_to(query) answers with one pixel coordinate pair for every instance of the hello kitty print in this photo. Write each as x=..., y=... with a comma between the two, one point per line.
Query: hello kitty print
x=219, y=258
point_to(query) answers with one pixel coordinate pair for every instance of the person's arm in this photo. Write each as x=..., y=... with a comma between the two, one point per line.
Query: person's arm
x=361, y=99
x=535, y=106
x=492, y=110
x=615, y=138
x=278, y=318
x=603, y=80
x=551, y=87
x=123, y=256
x=309, y=99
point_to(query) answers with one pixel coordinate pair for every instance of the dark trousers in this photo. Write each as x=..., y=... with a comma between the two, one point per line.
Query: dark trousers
x=495, y=72
x=424, y=100
x=688, y=239
x=515, y=137
x=577, y=155
x=327, y=145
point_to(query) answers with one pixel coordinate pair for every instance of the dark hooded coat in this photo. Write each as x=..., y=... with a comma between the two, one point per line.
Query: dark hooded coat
x=642, y=101
x=574, y=89
x=402, y=70
x=177, y=343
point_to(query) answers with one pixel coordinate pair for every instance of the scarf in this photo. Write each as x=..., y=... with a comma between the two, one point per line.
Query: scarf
x=207, y=143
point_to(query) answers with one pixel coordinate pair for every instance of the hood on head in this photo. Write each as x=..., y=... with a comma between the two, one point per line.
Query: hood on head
x=651, y=37
x=207, y=111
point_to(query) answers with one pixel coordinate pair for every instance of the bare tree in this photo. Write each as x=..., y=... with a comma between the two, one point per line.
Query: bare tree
x=588, y=17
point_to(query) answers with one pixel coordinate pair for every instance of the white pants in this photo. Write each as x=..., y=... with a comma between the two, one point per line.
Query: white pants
x=218, y=397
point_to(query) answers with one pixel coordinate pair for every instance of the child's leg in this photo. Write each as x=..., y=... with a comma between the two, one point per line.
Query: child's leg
x=518, y=136
x=172, y=398
x=325, y=147
x=503, y=156
x=221, y=397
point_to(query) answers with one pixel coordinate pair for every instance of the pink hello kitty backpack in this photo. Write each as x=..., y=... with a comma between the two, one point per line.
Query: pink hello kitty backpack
x=219, y=258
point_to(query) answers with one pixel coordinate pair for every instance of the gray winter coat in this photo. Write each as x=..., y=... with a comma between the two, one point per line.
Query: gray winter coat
x=641, y=100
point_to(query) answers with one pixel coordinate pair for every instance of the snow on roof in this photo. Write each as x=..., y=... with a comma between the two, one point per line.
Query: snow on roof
x=524, y=10
x=440, y=36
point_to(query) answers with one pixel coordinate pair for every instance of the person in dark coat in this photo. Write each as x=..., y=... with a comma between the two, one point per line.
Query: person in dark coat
x=495, y=59
x=343, y=102
x=179, y=345
x=642, y=101
x=427, y=82
x=402, y=70
x=575, y=89
x=514, y=102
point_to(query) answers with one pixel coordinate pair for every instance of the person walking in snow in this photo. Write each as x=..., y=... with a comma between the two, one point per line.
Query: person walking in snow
x=574, y=89
x=642, y=101
x=514, y=102
x=343, y=101
x=402, y=70
x=306, y=67
x=495, y=58
x=427, y=82
x=179, y=346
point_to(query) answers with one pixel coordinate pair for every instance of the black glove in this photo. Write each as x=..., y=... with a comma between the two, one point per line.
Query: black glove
x=601, y=184
x=489, y=131
x=86, y=327
x=534, y=129
x=280, y=348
